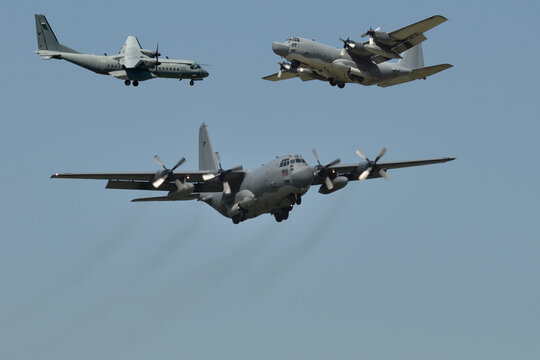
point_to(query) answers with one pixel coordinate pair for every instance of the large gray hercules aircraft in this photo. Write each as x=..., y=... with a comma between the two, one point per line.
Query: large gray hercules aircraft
x=361, y=63
x=132, y=64
x=241, y=194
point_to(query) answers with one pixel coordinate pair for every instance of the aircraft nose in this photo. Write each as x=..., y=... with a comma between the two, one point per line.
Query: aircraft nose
x=280, y=48
x=303, y=177
x=204, y=73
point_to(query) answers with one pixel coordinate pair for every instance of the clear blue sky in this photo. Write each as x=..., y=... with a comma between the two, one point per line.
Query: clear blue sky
x=440, y=262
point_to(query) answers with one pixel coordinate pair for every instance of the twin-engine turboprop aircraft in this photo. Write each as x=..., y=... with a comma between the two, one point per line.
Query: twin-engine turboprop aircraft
x=241, y=194
x=132, y=64
x=362, y=63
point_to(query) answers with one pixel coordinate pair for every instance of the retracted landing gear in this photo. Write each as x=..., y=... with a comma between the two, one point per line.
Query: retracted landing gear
x=241, y=216
x=283, y=214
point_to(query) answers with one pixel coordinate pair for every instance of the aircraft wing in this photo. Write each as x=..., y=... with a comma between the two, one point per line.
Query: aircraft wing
x=405, y=38
x=417, y=28
x=143, y=180
x=352, y=171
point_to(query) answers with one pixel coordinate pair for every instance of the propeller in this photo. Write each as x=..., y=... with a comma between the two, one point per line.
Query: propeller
x=222, y=175
x=157, y=55
x=347, y=44
x=323, y=170
x=166, y=172
x=371, y=34
x=372, y=165
x=283, y=66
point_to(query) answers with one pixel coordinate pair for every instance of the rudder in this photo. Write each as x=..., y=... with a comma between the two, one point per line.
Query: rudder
x=207, y=158
x=46, y=38
x=413, y=58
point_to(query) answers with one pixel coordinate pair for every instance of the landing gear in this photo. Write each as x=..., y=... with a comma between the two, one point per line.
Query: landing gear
x=341, y=85
x=241, y=216
x=192, y=82
x=332, y=82
x=295, y=199
x=282, y=214
x=135, y=83
x=127, y=82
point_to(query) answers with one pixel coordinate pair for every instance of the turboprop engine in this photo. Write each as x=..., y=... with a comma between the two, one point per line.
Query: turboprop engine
x=183, y=190
x=243, y=200
x=338, y=183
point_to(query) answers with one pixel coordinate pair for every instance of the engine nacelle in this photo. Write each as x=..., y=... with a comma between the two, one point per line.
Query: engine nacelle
x=151, y=53
x=380, y=36
x=377, y=50
x=243, y=200
x=339, y=183
x=183, y=190
x=356, y=74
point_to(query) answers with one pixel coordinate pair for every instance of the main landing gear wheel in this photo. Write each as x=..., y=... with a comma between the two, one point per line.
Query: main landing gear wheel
x=192, y=83
x=332, y=82
x=135, y=83
x=283, y=214
x=127, y=82
x=341, y=85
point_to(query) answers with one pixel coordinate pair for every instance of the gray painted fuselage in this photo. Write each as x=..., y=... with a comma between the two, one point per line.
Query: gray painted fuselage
x=336, y=64
x=268, y=189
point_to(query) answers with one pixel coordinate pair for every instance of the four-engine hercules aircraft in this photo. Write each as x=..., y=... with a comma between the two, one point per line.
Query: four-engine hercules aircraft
x=242, y=194
x=357, y=62
x=132, y=64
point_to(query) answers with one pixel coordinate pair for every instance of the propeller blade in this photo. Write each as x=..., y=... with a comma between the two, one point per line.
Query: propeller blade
x=361, y=154
x=236, y=168
x=160, y=162
x=337, y=161
x=364, y=175
x=381, y=153
x=218, y=158
x=279, y=73
x=329, y=183
x=342, y=52
x=180, y=162
x=226, y=187
x=316, y=156
x=207, y=177
x=384, y=174
x=158, y=182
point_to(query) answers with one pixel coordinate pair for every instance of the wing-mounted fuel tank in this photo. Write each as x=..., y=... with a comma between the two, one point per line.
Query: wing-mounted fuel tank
x=339, y=183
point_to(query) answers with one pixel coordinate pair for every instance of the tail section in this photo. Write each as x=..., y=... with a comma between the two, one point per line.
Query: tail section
x=46, y=38
x=207, y=158
x=412, y=58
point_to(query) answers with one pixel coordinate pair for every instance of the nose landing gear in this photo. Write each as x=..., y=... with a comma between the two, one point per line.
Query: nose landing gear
x=192, y=82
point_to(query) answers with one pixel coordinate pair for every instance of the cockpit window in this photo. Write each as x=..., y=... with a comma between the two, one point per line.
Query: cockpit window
x=292, y=39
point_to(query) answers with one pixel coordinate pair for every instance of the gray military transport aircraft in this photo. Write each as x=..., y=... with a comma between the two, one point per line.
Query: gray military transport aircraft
x=241, y=194
x=361, y=63
x=132, y=64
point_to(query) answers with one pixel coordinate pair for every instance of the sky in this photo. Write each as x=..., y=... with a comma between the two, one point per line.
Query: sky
x=439, y=262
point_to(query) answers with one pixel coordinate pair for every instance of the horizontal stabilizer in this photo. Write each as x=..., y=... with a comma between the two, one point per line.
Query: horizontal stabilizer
x=284, y=76
x=415, y=74
x=424, y=72
x=147, y=199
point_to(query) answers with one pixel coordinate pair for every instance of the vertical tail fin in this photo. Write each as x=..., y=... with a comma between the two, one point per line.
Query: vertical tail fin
x=207, y=158
x=413, y=58
x=46, y=38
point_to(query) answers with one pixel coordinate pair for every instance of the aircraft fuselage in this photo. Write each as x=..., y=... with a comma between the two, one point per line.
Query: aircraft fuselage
x=336, y=64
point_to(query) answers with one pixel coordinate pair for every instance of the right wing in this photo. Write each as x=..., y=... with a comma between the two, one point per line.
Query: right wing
x=143, y=180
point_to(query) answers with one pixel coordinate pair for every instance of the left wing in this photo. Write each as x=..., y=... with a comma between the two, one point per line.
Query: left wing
x=353, y=171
